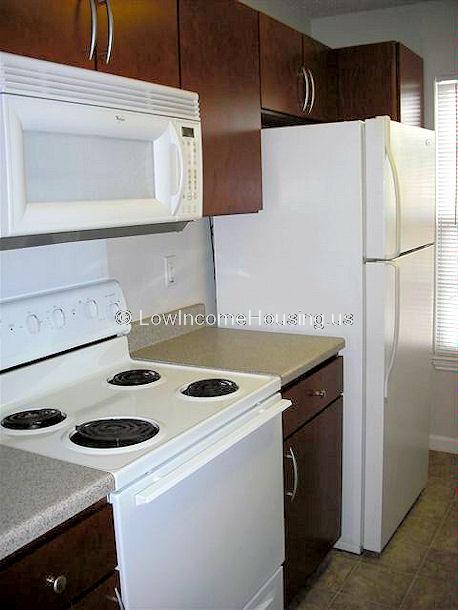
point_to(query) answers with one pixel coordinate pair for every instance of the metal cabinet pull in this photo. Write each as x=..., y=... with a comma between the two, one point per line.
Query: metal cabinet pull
x=290, y=456
x=93, y=28
x=306, y=92
x=58, y=583
x=320, y=393
x=312, y=84
x=110, y=30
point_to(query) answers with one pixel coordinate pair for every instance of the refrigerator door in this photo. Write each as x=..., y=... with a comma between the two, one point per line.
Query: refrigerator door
x=398, y=368
x=400, y=188
x=302, y=256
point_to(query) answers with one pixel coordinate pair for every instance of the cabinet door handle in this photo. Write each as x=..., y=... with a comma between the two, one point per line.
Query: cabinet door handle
x=110, y=20
x=312, y=85
x=306, y=91
x=93, y=8
x=319, y=393
x=290, y=456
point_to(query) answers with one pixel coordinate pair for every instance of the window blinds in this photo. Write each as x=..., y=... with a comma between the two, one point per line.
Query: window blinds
x=446, y=301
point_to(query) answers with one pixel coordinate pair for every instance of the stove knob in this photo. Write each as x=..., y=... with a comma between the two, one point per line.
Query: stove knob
x=91, y=309
x=58, y=317
x=33, y=324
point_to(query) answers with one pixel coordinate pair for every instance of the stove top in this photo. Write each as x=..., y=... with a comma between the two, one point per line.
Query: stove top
x=135, y=377
x=33, y=419
x=113, y=432
x=77, y=383
x=210, y=388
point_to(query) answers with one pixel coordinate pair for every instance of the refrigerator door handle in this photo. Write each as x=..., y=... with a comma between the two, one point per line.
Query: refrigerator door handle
x=397, y=312
x=397, y=196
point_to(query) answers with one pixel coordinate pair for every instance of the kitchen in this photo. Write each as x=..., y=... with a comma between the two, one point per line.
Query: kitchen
x=246, y=68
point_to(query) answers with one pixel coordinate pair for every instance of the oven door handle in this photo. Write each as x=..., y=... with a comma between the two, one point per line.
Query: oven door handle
x=177, y=475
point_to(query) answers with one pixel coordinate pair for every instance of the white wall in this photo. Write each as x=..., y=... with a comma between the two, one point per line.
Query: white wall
x=426, y=27
x=137, y=262
x=291, y=12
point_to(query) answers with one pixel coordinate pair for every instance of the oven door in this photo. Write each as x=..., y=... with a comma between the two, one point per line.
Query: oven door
x=70, y=167
x=209, y=534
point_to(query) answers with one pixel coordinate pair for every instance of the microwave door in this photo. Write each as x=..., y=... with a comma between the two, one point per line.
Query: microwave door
x=73, y=167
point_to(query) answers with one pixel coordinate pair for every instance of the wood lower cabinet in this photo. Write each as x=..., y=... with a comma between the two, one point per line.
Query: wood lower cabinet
x=220, y=60
x=71, y=566
x=53, y=30
x=380, y=79
x=145, y=40
x=312, y=474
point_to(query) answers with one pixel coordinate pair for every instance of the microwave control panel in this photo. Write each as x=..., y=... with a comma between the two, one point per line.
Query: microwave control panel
x=190, y=198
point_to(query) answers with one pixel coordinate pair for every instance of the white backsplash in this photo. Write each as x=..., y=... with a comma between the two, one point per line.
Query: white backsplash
x=136, y=262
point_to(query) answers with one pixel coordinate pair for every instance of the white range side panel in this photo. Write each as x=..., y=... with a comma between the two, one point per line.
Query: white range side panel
x=397, y=404
x=303, y=254
x=398, y=158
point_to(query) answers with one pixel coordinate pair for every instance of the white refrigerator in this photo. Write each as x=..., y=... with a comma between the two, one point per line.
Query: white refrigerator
x=344, y=246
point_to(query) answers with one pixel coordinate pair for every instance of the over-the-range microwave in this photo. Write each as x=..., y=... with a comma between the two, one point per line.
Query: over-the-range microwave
x=82, y=150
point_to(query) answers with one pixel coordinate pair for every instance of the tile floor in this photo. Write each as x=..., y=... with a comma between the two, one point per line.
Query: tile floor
x=416, y=571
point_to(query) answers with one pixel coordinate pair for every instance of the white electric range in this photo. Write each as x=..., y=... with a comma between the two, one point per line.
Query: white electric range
x=196, y=454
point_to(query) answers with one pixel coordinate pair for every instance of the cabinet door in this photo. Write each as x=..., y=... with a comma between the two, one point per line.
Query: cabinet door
x=320, y=65
x=219, y=53
x=103, y=597
x=313, y=478
x=410, y=76
x=282, y=80
x=145, y=40
x=47, y=29
x=367, y=81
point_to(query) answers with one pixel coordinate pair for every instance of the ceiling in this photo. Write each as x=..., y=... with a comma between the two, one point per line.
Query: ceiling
x=325, y=8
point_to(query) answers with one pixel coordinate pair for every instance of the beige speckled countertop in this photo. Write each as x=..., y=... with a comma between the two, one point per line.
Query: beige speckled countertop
x=38, y=493
x=284, y=354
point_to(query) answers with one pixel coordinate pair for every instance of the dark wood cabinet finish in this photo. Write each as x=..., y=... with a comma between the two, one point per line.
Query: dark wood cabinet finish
x=311, y=393
x=53, y=30
x=82, y=550
x=145, y=40
x=103, y=597
x=320, y=62
x=282, y=80
x=219, y=53
x=410, y=87
x=380, y=79
x=313, y=515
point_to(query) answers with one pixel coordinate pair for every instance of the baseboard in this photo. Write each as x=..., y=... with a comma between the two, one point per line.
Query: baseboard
x=447, y=444
x=341, y=545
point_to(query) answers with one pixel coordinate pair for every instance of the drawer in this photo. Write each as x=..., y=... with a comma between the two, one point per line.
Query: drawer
x=311, y=393
x=82, y=553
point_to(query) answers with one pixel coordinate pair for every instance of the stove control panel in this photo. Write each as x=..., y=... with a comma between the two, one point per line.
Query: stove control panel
x=36, y=326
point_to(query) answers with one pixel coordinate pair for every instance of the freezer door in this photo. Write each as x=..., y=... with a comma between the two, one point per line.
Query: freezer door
x=400, y=188
x=398, y=383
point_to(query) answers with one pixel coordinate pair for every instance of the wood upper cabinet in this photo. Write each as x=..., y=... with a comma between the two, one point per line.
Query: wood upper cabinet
x=145, y=40
x=219, y=53
x=319, y=62
x=380, y=79
x=53, y=30
x=282, y=78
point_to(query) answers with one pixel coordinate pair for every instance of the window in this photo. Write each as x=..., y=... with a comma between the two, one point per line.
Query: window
x=446, y=301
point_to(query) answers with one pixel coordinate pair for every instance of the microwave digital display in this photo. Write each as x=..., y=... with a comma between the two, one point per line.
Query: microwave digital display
x=187, y=132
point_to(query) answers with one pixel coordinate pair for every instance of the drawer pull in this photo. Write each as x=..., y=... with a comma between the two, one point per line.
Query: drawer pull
x=58, y=584
x=320, y=393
